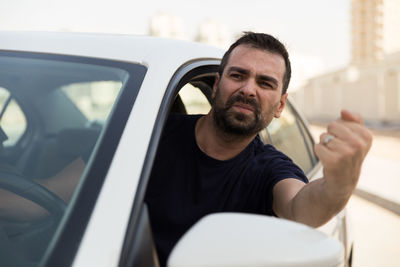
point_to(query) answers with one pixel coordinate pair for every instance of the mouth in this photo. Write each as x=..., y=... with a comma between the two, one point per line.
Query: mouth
x=244, y=108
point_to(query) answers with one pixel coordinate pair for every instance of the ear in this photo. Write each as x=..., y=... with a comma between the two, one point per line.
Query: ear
x=282, y=104
x=215, y=86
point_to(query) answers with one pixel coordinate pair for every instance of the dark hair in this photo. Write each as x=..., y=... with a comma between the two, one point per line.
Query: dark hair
x=261, y=41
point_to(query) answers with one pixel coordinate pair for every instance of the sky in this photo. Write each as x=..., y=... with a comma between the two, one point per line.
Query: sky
x=316, y=32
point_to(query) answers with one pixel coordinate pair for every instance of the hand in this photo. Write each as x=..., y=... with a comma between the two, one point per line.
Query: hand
x=342, y=156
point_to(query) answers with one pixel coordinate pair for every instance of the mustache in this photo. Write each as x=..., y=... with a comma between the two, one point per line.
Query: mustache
x=245, y=100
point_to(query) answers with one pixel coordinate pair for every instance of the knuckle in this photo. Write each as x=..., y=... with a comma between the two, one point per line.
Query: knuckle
x=348, y=153
x=357, y=145
x=336, y=160
x=322, y=137
x=369, y=136
x=331, y=126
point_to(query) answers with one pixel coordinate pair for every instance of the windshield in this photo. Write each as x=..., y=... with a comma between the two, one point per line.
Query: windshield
x=54, y=111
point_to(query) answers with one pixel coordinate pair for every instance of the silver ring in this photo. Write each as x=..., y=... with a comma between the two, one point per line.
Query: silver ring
x=327, y=139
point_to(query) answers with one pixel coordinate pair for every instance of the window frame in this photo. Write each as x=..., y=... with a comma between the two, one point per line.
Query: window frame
x=63, y=246
x=186, y=73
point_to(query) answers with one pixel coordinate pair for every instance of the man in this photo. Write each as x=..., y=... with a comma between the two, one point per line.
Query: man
x=217, y=163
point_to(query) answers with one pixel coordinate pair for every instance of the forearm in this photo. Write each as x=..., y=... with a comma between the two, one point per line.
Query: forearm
x=15, y=207
x=63, y=184
x=315, y=203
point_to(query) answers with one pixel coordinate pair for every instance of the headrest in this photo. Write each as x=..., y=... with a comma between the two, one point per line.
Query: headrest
x=76, y=141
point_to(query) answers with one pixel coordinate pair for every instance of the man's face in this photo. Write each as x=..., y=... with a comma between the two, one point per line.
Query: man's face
x=248, y=95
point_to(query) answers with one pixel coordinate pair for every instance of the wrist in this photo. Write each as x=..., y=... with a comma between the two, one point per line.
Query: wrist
x=337, y=194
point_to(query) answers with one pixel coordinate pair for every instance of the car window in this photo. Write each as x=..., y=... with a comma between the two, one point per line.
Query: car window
x=94, y=99
x=194, y=100
x=12, y=119
x=289, y=135
x=54, y=110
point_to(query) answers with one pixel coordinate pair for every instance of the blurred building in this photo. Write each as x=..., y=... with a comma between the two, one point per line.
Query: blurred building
x=210, y=31
x=375, y=28
x=166, y=25
x=370, y=84
x=214, y=33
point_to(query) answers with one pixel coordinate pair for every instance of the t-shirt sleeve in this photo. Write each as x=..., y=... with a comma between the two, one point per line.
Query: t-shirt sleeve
x=280, y=167
x=283, y=168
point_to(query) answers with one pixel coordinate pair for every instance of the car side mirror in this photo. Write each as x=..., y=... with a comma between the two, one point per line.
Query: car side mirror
x=237, y=239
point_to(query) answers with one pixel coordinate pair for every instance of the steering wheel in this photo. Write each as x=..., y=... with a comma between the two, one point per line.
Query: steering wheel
x=33, y=191
x=30, y=241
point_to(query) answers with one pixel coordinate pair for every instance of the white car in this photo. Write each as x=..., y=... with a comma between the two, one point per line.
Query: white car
x=105, y=98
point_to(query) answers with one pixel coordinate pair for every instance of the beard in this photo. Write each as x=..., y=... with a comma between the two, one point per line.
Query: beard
x=238, y=123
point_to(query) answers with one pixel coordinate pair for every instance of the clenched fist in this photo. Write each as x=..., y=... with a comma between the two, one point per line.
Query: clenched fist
x=342, y=150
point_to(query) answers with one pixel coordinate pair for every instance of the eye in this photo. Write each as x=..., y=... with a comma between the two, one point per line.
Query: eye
x=236, y=76
x=265, y=84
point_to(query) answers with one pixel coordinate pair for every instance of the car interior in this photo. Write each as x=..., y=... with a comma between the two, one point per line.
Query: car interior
x=42, y=130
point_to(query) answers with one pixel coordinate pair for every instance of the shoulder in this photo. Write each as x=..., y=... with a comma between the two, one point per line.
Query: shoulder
x=178, y=121
x=267, y=151
x=178, y=118
x=179, y=127
x=276, y=163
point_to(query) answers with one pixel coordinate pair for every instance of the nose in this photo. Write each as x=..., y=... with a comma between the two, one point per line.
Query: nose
x=248, y=88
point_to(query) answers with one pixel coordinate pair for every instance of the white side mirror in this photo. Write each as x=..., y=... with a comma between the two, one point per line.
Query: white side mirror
x=236, y=239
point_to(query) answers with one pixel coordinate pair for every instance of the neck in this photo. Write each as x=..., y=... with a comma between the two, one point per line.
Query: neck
x=216, y=143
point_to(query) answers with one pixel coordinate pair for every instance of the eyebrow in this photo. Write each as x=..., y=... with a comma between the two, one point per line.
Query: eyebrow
x=268, y=79
x=238, y=69
x=258, y=76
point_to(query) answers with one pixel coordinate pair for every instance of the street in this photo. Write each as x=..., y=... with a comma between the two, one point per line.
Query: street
x=376, y=232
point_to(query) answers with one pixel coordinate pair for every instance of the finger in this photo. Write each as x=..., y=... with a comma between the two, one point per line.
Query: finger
x=333, y=144
x=347, y=131
x=326, y=138
x=323, y=153
x=354, y=117
x=336, y=153
x=358, y=129
x=351, y=132
x=339, y=129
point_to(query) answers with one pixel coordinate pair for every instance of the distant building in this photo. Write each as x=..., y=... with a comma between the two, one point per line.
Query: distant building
x=370, y=84
x=375, y=29
x=166, y=25
x=214, y=33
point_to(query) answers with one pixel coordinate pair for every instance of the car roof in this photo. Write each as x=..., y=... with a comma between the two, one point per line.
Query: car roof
x=132, y=48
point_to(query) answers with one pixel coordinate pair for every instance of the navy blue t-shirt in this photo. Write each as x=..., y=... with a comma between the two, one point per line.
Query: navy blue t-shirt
x=186, y=184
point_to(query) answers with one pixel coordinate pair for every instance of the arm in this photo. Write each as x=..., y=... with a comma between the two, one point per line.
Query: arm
x=317, y=202
x=62, y=184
